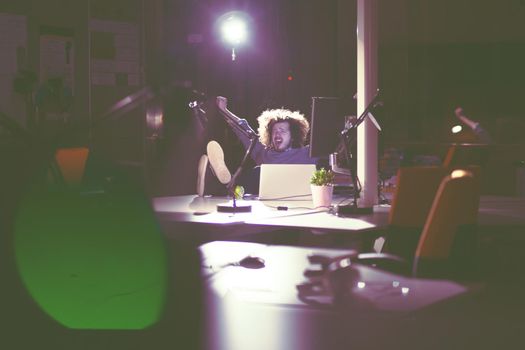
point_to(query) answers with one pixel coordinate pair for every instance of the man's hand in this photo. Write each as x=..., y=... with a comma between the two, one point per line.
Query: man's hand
x=222, y=103
x=459, y=112
x=232, y=119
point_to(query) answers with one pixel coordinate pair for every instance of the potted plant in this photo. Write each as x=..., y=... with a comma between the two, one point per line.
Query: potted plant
x=321, y=183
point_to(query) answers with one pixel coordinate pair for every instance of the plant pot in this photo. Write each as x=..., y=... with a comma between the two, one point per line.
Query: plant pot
x=322, y=195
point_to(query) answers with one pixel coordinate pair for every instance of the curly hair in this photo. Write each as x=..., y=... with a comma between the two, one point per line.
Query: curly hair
x=299, y=126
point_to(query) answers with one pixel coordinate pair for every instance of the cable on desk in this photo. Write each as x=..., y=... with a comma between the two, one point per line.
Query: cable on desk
x=282, y=198
x=285, y=207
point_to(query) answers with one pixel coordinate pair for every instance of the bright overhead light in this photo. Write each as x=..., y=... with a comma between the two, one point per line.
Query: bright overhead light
x=234, y=30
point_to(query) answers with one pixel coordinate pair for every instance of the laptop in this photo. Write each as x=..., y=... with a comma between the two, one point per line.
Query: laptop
x=287, y=182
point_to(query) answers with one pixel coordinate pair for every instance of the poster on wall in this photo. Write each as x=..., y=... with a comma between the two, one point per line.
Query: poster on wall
x=57, y=59
x=115, y=54
x=13, y=44
x=57, y=73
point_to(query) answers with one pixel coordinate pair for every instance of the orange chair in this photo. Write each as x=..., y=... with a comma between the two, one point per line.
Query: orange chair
x=454, y=211
x=415, y=191
x=448, y=229
x=411, y=203
x=71, y=163
x=449, y=157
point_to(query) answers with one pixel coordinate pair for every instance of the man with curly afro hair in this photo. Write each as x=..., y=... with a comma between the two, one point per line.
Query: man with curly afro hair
x=282, y=136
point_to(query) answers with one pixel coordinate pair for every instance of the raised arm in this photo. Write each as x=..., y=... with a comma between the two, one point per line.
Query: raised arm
x=460, y=114
x=482, y=134
x=222, y=103
x=239, y=125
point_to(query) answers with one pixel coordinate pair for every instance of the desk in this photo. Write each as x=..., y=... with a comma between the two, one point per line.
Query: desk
x=261, y=309
x=196, y=218
x=184, y=216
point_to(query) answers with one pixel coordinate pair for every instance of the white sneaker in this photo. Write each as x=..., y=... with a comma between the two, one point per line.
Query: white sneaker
x=216, y=159
x=201, y=174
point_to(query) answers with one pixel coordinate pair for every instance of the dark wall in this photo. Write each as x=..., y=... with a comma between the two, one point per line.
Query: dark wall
x=432, y=55
x=288, y=38
x=435, y=55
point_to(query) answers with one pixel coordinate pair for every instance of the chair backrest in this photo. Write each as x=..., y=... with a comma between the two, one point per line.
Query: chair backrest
x=454, y=207
x=415, y=191
x=475, y=170
x=449, y=157
x=72, y=162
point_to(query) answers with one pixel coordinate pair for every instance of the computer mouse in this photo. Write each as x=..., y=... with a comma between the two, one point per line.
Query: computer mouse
x=252, y=262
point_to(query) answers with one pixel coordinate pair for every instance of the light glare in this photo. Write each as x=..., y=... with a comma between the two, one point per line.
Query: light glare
x=345, y=263
x=459, y=173
x=456, y=129
x=395, y=284
x=234, y=30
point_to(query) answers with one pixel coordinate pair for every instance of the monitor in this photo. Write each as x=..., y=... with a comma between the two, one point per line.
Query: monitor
x=328, y=120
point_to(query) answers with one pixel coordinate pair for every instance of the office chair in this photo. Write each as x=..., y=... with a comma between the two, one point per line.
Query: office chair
x=448, y=233
x=415, y=191
x=69, y=165
x=448, y=160
x=411, y=203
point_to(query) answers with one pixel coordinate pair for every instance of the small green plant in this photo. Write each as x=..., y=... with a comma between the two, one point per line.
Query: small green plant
x=238, y=192
x=322, y=177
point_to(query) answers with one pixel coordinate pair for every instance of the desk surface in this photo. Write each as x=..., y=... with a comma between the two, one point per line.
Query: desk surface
x=190, y=209
x=265, y=216
x=277, y=281
x=268, y=308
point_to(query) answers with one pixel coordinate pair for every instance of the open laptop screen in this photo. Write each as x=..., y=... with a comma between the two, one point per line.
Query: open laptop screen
x=285, y=182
